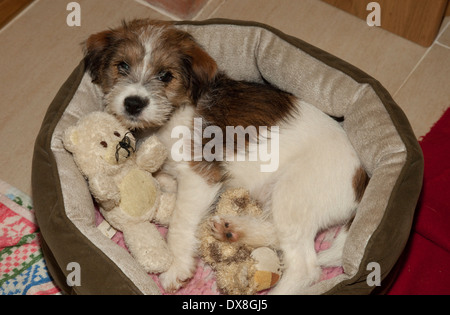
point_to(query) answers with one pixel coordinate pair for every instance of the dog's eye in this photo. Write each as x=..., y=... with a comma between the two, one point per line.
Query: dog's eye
x=104, y=144
x=117, y=134
x=123, y=68
x=165, y=76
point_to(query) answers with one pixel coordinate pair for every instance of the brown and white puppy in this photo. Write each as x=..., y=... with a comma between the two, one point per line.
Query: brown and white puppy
x=155, y=76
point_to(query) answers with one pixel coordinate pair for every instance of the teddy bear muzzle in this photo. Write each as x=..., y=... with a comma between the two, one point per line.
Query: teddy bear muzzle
x=124, y=148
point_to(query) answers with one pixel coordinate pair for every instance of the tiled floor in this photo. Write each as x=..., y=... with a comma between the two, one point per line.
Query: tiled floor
x=39, y=51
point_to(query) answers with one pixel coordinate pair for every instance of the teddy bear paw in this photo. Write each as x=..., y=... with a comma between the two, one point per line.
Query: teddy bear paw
x=224, y=229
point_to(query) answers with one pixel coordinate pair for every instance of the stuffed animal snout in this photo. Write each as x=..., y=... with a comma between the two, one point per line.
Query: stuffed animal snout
x=124, y=148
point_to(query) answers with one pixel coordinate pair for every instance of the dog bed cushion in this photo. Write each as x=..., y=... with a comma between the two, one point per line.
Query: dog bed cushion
x=375, y=125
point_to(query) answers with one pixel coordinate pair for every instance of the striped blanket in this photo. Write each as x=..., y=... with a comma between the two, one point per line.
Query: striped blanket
x=22, y=267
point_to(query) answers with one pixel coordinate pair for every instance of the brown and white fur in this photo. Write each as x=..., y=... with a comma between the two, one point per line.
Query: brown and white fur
x=155, y=76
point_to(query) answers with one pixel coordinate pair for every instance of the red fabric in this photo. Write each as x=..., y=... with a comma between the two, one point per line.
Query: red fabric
x=425, y=268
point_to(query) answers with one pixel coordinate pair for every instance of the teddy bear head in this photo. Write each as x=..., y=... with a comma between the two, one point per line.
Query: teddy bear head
x=99, y=143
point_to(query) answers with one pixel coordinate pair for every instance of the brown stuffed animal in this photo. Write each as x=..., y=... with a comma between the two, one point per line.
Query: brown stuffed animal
x=240, y=269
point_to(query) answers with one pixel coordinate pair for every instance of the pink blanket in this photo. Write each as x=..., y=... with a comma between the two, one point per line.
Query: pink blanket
x=204, y=282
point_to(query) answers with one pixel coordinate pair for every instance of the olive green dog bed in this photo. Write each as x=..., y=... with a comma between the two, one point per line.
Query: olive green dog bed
x=375, y=125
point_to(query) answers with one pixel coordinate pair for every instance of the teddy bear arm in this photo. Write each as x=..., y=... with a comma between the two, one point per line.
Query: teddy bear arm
x=105, y=191
x=151, y=155
x=168, y=198
x=165, y=209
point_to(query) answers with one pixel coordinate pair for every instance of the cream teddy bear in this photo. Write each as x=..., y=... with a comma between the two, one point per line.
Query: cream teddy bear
x=120, y=179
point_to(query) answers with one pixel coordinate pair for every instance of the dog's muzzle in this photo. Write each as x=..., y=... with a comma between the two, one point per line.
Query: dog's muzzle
x=135, y=104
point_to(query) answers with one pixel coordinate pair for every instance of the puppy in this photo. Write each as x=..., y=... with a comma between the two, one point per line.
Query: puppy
x=157, y=77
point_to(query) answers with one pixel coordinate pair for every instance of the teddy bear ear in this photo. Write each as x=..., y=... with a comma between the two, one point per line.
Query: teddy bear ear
x=70, y=138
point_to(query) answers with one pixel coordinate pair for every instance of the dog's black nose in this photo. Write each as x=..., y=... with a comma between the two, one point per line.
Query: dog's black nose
x=135, y=104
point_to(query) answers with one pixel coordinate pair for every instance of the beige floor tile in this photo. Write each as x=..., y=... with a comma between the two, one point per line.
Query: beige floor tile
x=444, y=37
x=39, y=51
x=209, y=9
x=444, y=23
x=181, y=9
x=385, y=56
x=426, y=94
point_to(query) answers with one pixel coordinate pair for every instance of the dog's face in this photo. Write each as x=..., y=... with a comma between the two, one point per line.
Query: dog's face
x=146, y=70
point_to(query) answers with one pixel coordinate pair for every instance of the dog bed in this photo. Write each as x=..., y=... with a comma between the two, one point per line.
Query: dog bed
x=375, y=125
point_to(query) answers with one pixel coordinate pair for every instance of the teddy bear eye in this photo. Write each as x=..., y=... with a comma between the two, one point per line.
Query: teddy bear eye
x=104, y=144
x=116, y=134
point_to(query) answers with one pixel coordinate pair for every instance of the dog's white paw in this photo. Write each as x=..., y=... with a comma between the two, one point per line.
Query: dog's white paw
x=175, y=278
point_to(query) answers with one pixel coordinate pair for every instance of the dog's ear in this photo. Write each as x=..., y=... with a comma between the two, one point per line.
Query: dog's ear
x=203, y=68
x=95, y=53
